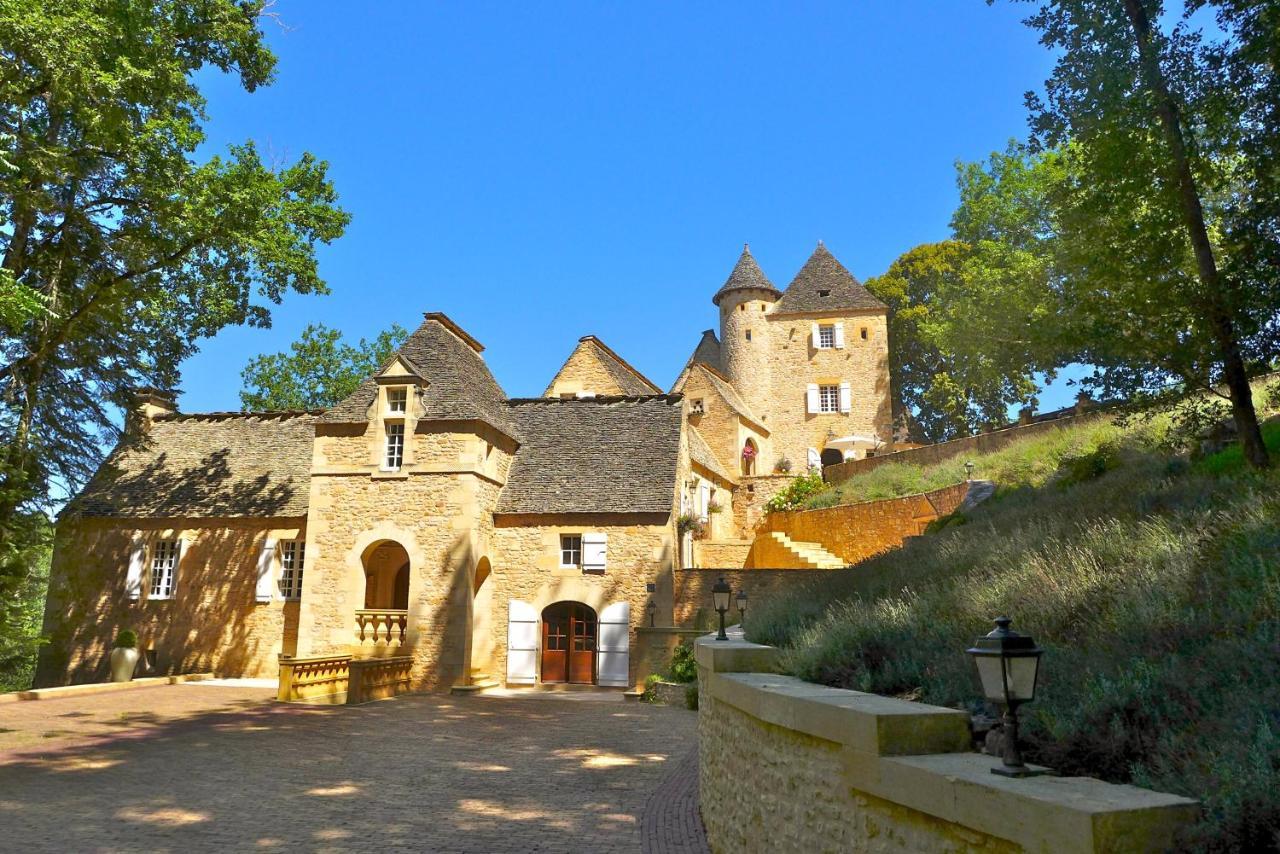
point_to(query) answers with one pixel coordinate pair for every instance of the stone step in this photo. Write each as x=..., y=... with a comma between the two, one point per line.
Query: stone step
x=812, y=554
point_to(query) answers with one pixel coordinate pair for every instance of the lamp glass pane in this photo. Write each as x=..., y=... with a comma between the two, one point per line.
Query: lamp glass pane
x=1022, y=677
x=721, y=601
x=989, y=672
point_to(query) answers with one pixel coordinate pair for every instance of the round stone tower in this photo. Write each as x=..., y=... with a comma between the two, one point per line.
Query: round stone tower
x=744, y=301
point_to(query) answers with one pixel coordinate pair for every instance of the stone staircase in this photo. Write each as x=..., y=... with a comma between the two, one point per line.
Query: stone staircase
x=480, y=681
x=808, y=555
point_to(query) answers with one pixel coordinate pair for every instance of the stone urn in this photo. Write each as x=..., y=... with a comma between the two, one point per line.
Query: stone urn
x=124, y=657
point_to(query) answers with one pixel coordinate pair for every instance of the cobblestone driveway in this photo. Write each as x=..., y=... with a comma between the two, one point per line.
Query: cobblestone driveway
x=419, y=773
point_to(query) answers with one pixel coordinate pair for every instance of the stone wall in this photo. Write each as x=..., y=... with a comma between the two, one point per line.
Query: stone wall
x=983, y=443
x=213, y=622
x=583, y=372
x=864, y=364
x=786, y=765
x=753, y=494
x=855, y=532
x=724, y=553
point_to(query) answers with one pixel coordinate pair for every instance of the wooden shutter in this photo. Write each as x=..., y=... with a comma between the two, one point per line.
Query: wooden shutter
x=595, y=548
x=846, y=397
x=613, y=655
x=811, y=393
x=177, y=565
x=839, y=336
x=266, y=563
x=815, y=336
x=133, y=575
x=522, y=643
x=704, y=499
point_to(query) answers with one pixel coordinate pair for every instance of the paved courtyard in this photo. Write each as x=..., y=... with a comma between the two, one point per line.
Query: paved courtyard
x=197, y=768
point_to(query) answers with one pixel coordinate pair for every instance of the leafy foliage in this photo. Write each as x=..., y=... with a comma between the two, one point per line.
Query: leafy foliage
x=126, y=639
x=319, y=371
x=683, y=667
x=795, y=492
x=133, y=249
x=24, y=578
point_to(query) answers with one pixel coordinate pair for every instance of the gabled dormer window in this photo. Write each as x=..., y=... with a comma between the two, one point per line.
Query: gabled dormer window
x=397, y=399
x=394, y=456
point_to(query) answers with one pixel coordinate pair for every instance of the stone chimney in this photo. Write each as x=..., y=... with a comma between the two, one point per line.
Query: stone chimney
x=1026, y=415
x=149, y=404
x=1084, y=402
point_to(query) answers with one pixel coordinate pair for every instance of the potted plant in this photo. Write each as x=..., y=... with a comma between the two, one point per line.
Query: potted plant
x=782, y=466
x=124, y=656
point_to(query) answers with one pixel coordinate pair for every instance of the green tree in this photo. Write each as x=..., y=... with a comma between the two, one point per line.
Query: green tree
x=318, y=371
x=974, y=319
x=135, y=250
x=1168, y=226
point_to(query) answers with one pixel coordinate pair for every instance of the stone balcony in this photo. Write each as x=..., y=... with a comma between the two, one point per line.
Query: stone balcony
x=380, y=633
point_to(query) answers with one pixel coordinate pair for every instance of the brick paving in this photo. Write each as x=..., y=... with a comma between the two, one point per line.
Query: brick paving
x=671, y=822
x=420, y=772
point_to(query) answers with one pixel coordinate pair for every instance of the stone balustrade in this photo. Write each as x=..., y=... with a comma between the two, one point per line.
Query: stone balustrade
x=786, y=765
x=380, y=632
x=322, y=679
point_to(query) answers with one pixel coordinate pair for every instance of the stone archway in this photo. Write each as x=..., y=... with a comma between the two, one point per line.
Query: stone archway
x=386, y=576
x=482, y=626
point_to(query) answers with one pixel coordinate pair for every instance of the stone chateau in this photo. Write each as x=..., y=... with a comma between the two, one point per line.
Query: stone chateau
x=480, y=538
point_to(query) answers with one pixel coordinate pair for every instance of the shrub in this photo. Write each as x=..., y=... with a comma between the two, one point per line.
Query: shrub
x=127, y=639
x=683, y=668
x=650, y=694
x=795, y=492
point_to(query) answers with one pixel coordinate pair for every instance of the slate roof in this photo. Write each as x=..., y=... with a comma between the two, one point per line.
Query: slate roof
x=459, y=384
x=700, y=452
x=746, y=274
x=594, y=455
x=217, y=465
x=822, y=273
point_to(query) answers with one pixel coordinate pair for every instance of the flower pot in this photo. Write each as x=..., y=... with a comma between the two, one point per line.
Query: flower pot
x=124, y=660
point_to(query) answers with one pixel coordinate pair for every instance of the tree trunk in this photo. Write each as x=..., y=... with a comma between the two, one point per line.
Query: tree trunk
x=1219, y=315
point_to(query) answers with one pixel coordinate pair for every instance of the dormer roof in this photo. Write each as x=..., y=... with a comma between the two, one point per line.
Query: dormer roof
x=746, y=275
x=823, y=284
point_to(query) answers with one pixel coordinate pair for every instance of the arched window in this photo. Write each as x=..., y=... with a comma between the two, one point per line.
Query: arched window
x=749, y=454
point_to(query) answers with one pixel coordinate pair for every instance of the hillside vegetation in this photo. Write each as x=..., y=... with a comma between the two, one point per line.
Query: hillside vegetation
x=1152, y=581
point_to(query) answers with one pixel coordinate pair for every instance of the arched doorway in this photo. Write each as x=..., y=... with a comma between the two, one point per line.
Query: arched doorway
x=386, y=576
x=482, y=628
x=569, y=643
x=749, y=454
x=831, y=456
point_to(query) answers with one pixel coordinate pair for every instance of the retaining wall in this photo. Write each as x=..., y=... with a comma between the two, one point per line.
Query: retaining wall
x=786, y=765
x=693, y=589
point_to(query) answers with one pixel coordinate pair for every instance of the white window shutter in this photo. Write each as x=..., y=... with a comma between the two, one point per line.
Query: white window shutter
x=846, y=398
x=266, y=567
x=815, y=459
x=811, y=394
x=704, y=500
x=177, y=565
x=522, y=643
x=133, y=576
x=839, y=336
x=816, y=336
x=595, y=548
x=613, y=654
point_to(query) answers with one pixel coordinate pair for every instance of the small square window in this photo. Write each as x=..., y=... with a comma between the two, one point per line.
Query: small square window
x=826, y=337
x=571, y=551
x=748, y=334
x=863, y=333
x=291, y=560
x=828, y=398
x=394, y=457
x=824, y=293
x=397, y=399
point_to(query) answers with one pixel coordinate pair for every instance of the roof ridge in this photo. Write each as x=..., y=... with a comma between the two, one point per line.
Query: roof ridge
x=449, y=324
x=599, y=398
x=235, y=413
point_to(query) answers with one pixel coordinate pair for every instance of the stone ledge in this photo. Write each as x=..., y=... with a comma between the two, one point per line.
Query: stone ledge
x=734, y=655
x=99, y=687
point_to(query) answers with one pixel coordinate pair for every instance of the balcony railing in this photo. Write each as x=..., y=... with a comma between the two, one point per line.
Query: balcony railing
x=381, y=631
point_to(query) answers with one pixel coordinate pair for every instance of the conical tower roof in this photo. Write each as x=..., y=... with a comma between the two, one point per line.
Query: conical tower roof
x=824, y=284
x=746, y=275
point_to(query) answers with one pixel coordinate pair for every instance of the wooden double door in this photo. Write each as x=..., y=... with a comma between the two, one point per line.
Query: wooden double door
x=569, y=632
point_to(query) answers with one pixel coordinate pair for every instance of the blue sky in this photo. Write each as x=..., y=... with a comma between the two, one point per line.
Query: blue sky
x=544, y=171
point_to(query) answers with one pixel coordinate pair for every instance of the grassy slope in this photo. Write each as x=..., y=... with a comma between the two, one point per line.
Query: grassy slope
x=1153, y=585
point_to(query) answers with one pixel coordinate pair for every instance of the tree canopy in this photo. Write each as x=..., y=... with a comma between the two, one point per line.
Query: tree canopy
x=319, y=370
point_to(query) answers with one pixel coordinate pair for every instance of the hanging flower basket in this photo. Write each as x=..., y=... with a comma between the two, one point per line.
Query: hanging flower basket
x=748, y=452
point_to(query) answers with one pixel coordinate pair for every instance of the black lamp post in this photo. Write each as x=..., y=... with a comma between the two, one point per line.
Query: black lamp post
x=1009, y=666
x=741, y=600
x=653, y=612
x=968, y=470
x=720, y=594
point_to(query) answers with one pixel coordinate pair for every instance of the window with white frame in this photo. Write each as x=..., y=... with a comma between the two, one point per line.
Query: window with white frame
x=397, y=399
x=164, y=566
x=826, y=337
x=828, y=398
x=571, y=551
x=394, y=457
x=292, y=555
